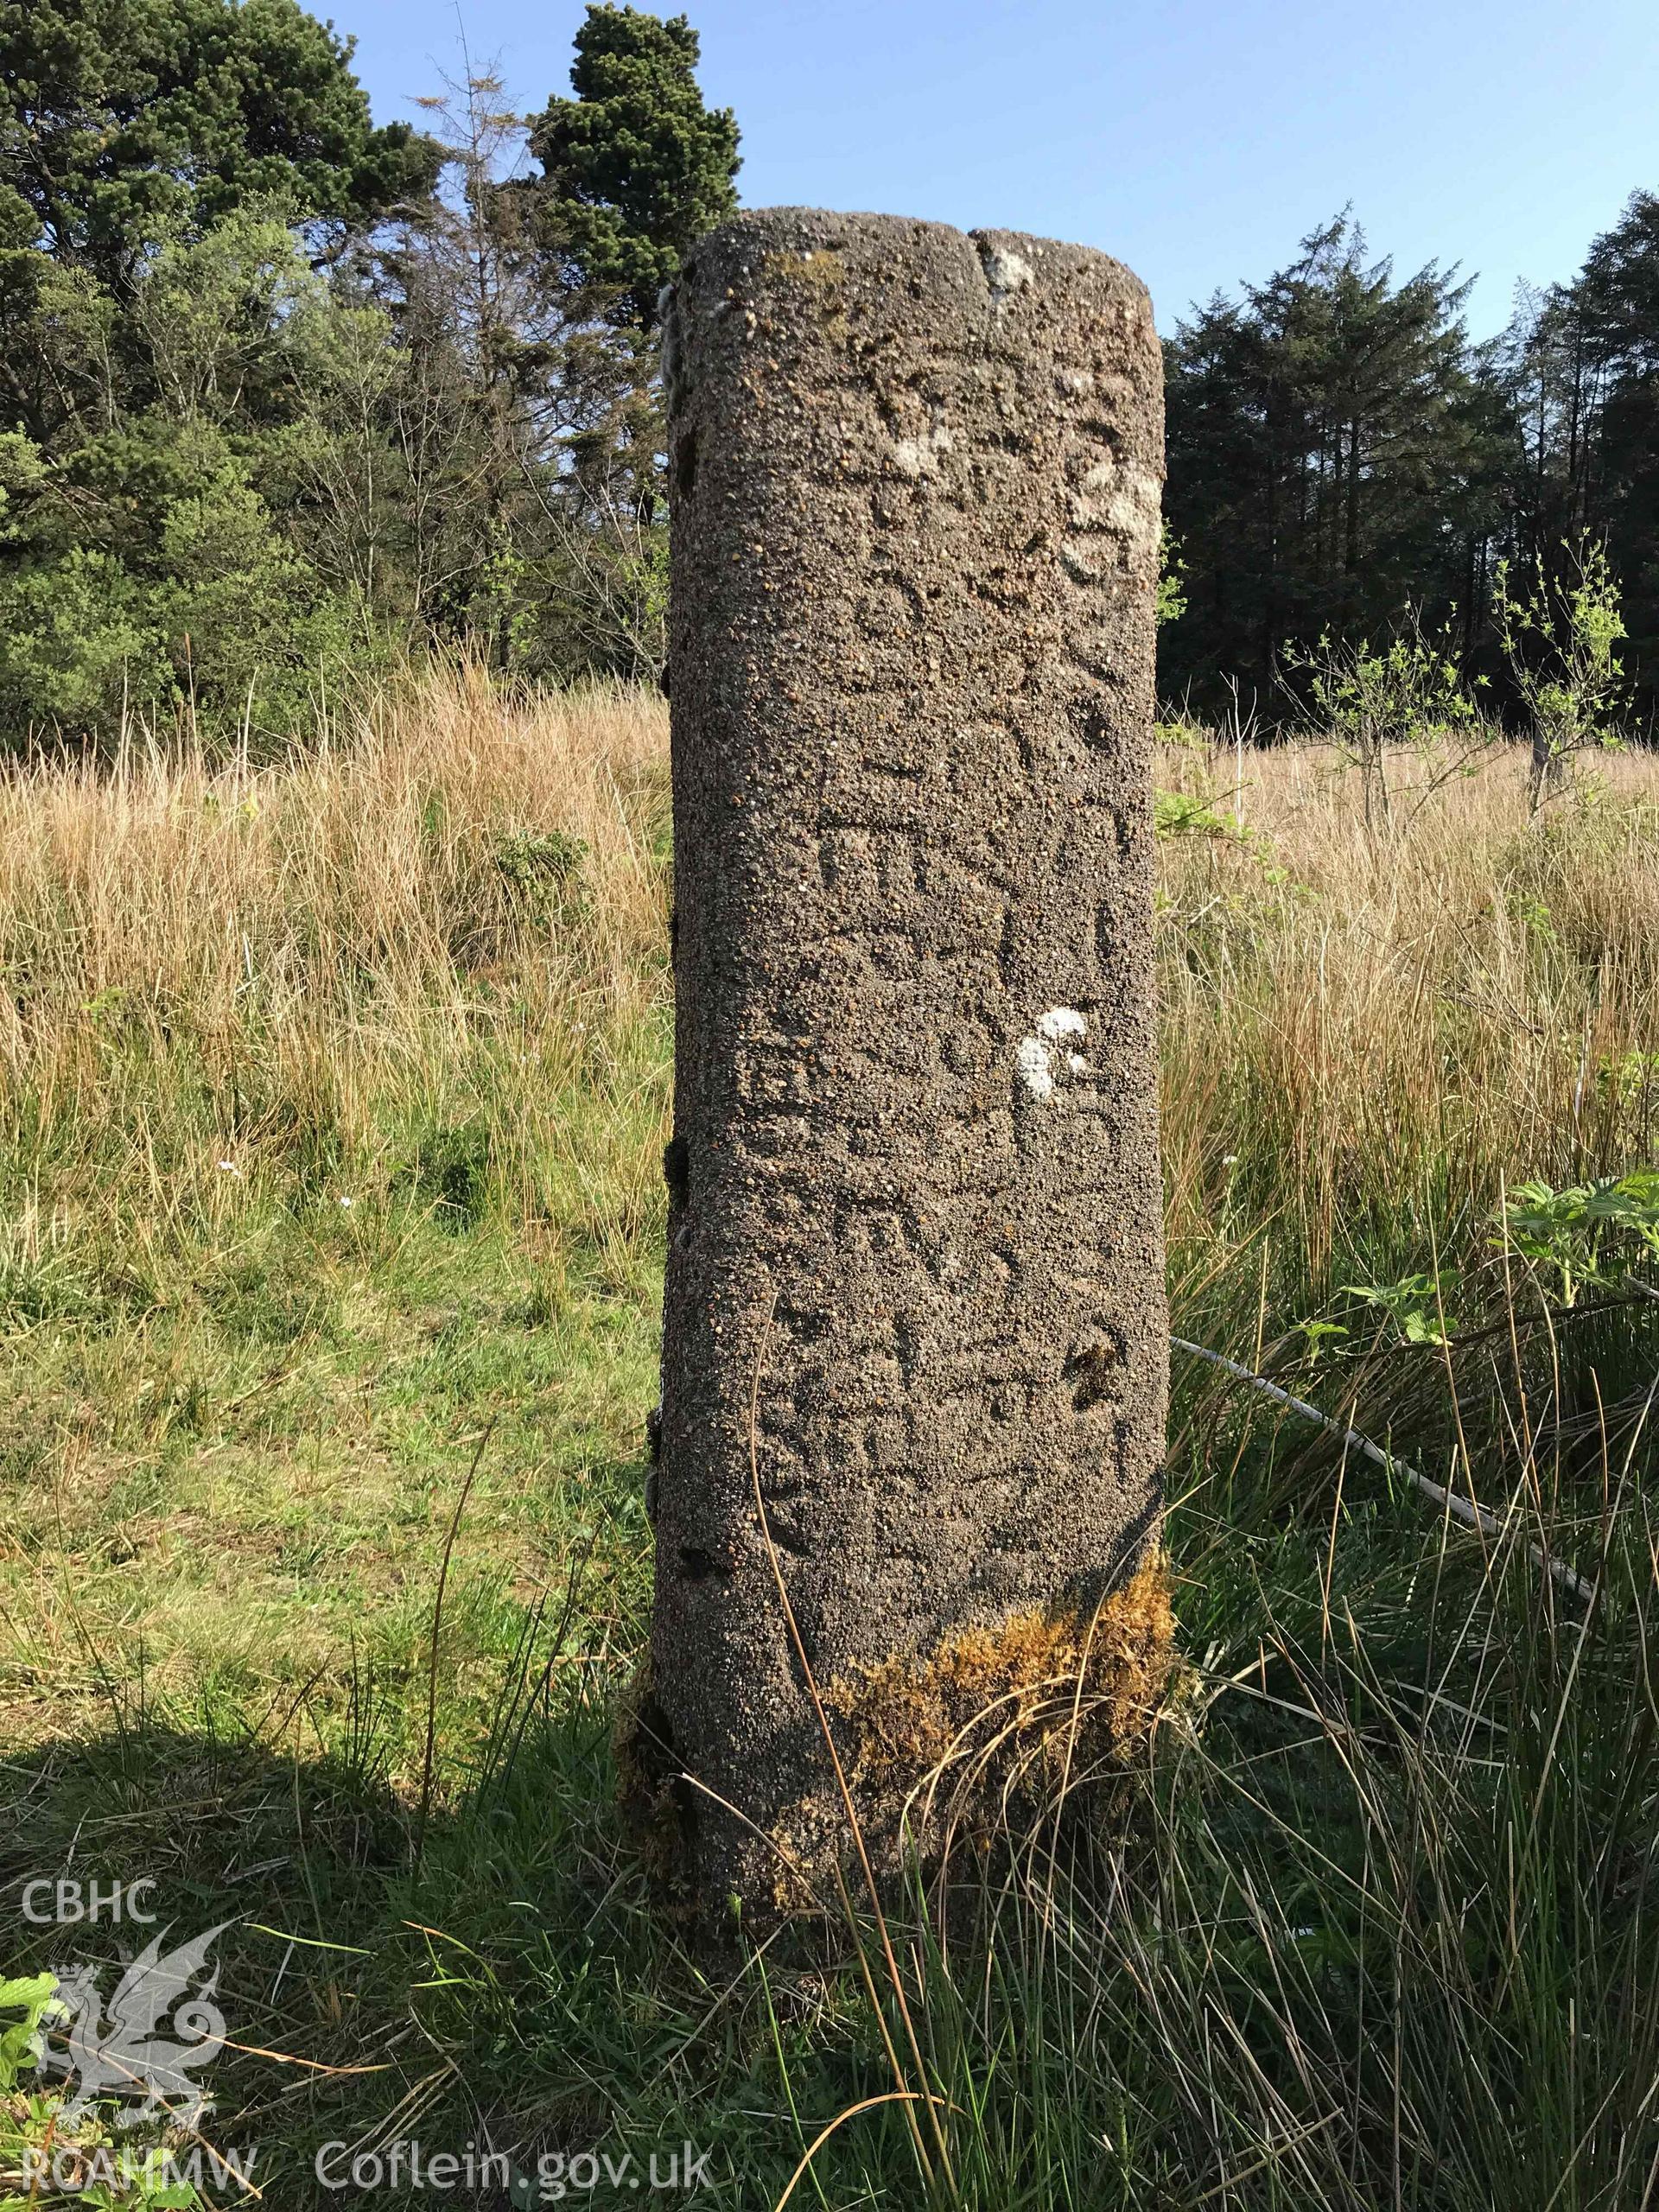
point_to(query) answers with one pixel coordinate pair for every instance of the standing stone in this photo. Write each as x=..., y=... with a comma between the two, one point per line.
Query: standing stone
x=915, y=1215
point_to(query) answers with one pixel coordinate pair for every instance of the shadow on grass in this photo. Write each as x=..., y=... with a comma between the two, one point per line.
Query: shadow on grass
x=490, y=1981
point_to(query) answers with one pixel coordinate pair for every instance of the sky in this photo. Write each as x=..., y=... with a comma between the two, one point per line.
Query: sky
x=1197, y=140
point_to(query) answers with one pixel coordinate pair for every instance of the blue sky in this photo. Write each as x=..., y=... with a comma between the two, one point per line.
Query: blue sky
x=1195, y=139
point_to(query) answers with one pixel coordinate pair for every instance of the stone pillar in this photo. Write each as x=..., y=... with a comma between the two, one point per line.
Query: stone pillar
x=915, y=1224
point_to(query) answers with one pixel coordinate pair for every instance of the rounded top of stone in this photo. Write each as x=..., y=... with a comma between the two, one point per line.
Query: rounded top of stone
x=1008, y=262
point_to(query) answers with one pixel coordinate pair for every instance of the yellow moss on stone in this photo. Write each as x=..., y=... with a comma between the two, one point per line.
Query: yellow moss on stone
x=1037, y=1672
x=822, y=271
x=824, y=266
x=954, y=1747
x=943, y=1750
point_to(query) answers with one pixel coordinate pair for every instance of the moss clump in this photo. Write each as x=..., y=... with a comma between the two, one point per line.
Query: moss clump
x=995, y=1724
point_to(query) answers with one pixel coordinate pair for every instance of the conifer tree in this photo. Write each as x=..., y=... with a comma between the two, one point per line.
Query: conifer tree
x=635, y=167
x=1335, y=458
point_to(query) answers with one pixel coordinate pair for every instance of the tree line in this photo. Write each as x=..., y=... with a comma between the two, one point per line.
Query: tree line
x=1345, y=462
x=286, y=395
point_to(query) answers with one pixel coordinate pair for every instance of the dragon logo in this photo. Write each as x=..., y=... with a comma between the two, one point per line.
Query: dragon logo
x=158, y=2032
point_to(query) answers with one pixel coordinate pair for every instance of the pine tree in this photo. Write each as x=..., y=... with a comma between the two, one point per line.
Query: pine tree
x=635, y=169
x=1583, y=360
x=1334, y=458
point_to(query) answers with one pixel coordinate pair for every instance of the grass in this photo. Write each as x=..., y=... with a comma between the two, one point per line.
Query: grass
x=333, y=1099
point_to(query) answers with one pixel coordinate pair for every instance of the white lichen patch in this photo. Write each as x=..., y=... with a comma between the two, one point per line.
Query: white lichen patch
x=1005, y=271
x=1086, y=502
x=918, y=457
x=1046, y=1057
x=1117, y=505
x=1133, y=508
x=1032, y=1064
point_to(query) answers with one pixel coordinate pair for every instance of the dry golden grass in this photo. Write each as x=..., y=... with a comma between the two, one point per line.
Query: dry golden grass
x=437, y=946
x=218, y=962
x=331, y=1097
x=1367, y=1038
x=305, y=947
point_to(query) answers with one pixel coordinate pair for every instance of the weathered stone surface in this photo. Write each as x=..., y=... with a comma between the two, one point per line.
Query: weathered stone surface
x=915, y=1210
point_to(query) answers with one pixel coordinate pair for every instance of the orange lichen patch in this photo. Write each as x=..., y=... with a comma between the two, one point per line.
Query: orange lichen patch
x=994, y=1724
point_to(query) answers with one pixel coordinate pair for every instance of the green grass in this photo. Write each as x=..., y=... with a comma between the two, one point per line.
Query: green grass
x=1378, y=1927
